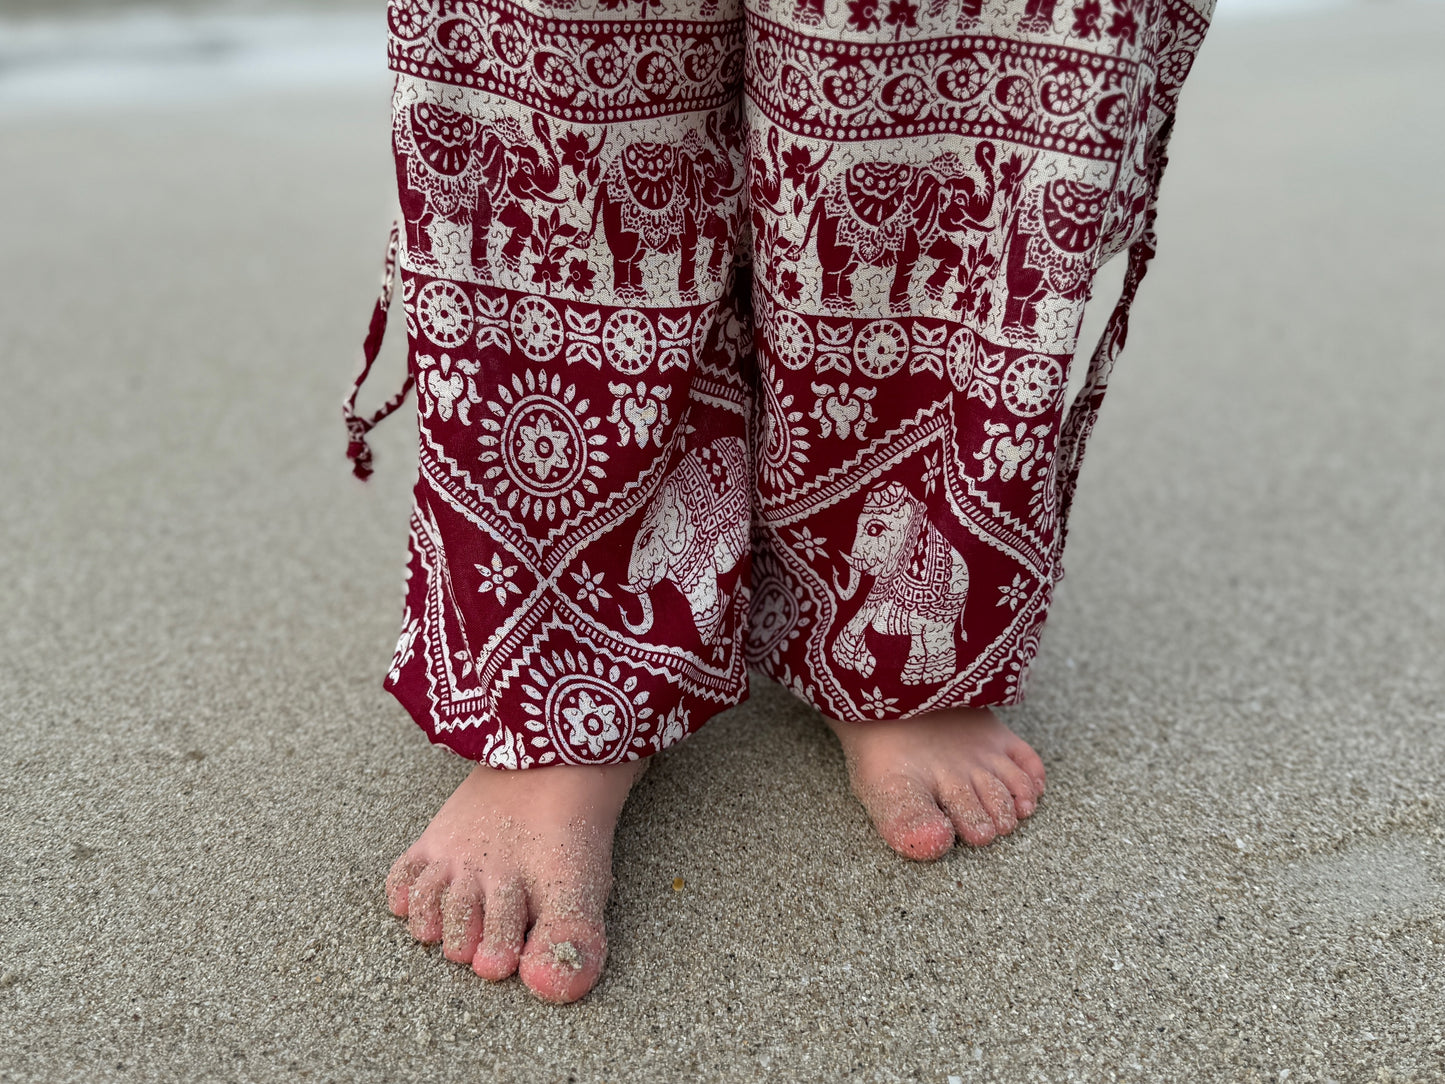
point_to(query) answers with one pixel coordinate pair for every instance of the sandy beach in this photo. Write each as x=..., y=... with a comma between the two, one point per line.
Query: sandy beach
x=1237, y=874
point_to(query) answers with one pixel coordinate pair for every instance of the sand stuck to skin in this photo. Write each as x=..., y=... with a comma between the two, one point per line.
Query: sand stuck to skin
x=1237, y=870
x=568, y=955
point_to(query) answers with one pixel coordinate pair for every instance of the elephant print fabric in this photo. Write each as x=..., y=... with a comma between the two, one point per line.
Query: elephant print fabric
x=741, y=337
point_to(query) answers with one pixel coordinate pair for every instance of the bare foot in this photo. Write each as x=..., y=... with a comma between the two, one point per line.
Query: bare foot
x=513, y=872
x=923, y=779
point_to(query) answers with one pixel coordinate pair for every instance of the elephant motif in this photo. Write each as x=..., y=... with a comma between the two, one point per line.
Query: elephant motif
x=919, y=589
x=1053, y=248
x=696, y=530
x=888, y=214
x=661, y=197
x=453, y=168
x=1038, y=16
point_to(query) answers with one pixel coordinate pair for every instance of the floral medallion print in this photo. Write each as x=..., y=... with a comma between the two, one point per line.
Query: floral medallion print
x=582, y=710
x=543, y=455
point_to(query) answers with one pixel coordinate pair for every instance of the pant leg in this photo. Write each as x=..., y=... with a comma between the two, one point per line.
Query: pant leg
x=571, y=183
x=932, y=188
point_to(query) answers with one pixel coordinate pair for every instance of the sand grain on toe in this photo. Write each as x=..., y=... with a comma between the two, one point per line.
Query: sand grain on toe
x=511, y=859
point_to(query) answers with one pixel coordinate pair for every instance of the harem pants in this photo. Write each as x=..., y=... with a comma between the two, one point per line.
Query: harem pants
x=741, y=339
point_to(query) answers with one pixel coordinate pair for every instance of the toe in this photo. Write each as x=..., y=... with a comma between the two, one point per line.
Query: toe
x=424, y=904
x=461, y=919
x=996, y=801
x=1022, y=754
x=973, y=825
x=907, y=817
x=404, y=872
x=563, y=958
x=1020, y=786
x=504, y=925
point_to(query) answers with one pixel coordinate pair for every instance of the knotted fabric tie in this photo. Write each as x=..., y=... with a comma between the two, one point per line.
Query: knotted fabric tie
x=357, y=450
x=1085, y=409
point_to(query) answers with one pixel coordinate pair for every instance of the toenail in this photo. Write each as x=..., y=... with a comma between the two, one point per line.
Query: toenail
x=566, y=953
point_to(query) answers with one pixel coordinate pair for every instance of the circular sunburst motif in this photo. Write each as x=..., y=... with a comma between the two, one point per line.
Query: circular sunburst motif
x=904, y=96
x=587, y=719
x=1174, y=67
x=537, y=328
x=512, y=45
x=584, y=708
x=1064, y=93
x=628, y=341
x=606, y=62
x=543, y=446
x=540, y=447
x=965, y=79
x=959, y=358
x=792, y=339
x=795, y=85
x=408, y=18
x=461, y=41
x=657, y=74
x=558, y=75
x=848, y=85
x=444, y=313
x=880, y=348
x=1030, y=383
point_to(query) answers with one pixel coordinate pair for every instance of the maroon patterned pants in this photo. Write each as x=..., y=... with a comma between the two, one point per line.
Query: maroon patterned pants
x=741, y=337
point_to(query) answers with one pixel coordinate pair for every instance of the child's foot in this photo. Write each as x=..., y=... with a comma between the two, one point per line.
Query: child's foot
x=513, y=851
x=923, y=779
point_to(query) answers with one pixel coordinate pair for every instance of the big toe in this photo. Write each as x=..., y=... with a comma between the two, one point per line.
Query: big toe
x=563, y=959
x=908, y=818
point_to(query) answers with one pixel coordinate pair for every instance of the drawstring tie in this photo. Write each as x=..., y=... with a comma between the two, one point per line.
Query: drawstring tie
x=1085, y=409
x=357, y=450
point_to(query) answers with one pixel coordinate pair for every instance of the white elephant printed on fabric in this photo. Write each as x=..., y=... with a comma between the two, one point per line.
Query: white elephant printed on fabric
x=919, y=589
x=889, y=214
x=663, y=197
x=695, y=530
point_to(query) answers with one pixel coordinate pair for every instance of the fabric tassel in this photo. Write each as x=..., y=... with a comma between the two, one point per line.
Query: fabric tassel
x=357, y=450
